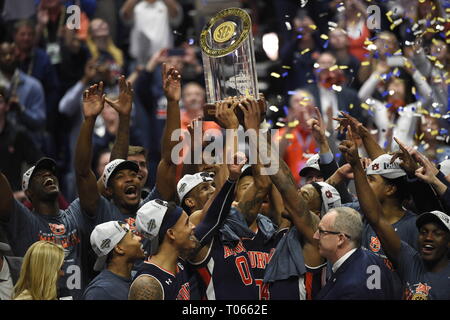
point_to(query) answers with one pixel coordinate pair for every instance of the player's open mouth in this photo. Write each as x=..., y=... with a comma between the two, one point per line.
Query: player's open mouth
x=131, y=192
x=49, y=182
x=427, y=249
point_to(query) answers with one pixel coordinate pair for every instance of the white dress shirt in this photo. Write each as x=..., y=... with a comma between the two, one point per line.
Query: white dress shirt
x=6, y=283
x=342, y=259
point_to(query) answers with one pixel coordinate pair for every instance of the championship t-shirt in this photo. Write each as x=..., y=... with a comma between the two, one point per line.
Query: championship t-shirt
x=69, y=228
x=108, y=286
x=418, y=283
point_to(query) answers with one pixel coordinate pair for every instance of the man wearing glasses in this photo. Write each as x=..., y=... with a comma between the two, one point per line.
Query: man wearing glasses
x=356, y=273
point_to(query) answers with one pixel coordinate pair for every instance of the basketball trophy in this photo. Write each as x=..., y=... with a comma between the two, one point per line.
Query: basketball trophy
x=229, y=61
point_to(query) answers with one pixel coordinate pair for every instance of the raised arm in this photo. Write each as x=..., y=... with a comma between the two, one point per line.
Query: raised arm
x=370, y=205
x=93, y=102
x=123, y=107
x=303, y=219
x=370, y=144
x=253, y=197
x=219, y=209
x=166, y=172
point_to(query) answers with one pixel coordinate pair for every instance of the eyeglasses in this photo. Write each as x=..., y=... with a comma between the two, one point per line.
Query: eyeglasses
x=325, y=232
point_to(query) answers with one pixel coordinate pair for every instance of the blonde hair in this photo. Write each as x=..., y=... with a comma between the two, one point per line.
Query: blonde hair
x=115, y=52
x=40, y=271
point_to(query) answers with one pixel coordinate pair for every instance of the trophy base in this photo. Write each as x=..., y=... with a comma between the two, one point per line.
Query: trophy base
x=209, y=112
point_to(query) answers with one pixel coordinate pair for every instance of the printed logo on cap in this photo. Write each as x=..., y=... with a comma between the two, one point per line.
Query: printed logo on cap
x=105, y=244
x=182, y=187
x=375, y=166
x=328, y=194
x=151, y=225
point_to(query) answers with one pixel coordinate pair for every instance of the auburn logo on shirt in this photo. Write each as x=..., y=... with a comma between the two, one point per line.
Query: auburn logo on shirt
x=419, y=292
x=375, y=244
x=57, y=229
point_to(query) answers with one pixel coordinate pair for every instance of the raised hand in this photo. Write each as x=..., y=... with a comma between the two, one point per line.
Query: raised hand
x=349, y=149
x=171, y=83
x=405, y=155
x=225, y=113
x=317, y=127
x=124, y=104
x=428, y=171
x=93, y=100
x=239, y=159
x=252, y=116
x=348, y=120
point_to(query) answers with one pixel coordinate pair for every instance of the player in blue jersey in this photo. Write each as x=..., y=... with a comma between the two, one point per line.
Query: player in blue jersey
x=123, y=184
x=425, y=272
x=164, y=276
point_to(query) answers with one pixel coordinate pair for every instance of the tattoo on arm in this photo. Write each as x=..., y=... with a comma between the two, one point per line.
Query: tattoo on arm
x=145, y=288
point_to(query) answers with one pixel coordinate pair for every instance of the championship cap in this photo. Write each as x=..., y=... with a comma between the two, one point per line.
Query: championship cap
x=43, y=163
x=116, y=165
x=330, y=196
x=190, y=181
x=383, y=167
x=434, y=216
x=104, y=238
x=311, y=163
x=153, y=219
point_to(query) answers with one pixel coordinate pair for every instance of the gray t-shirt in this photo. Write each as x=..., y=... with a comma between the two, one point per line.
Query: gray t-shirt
x=69, y=228
x=418, y=283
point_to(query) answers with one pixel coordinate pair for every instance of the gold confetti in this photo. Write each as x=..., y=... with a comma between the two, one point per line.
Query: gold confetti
x=365, y=63
x=286, y=67
x=365, y=106
x=324, y=36
x=313, y=26
x=335, y=67
x=293, y=124
x=305, y=51
x=275, y=75
x=351, y=106
x=343, y=67
x=289, y=136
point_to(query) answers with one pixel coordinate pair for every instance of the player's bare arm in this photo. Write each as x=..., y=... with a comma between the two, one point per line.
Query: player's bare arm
x=146, y=288
x=93, y=102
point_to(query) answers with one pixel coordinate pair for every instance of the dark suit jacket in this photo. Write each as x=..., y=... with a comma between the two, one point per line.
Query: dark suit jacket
x=14, y=263
x=350, y=281
x=345, y=98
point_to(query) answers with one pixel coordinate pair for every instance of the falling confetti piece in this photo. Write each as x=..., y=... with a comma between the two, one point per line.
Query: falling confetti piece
x=280, y=124
x=275, y=75
x=289, y=136
x=293, y=124
x=365, y=63
x=274, y=108
x=305, y=51
x=286, y=67
x=324, y=36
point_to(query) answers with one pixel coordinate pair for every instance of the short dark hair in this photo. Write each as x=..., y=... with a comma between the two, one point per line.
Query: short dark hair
x=402, y=193
x=23, y=23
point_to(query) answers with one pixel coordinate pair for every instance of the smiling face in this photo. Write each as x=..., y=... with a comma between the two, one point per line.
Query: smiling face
x=43, y=186
x=434, y=242
x=131, y=244
x=183, y=237
x=199, y=195
x=125, y=188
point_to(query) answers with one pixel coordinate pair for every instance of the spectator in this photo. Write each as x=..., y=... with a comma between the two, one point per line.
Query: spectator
x=114, y=261
x=35, y=62
x=296, y=141
x=152, y=22
x=17, y=148
x=300, y=52
x=426, y=138
x=353, y=21
x=9, y=271
x=395, y=114
x=329, y=92
x=101, y=45
x=41, y=269
x=25, y=92
x=345, y=60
